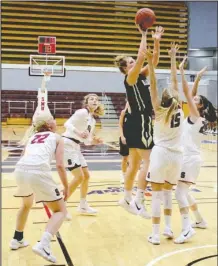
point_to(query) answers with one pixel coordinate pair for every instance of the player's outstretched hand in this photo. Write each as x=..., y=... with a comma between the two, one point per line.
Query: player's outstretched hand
x=158, y=33
x=181, y=66
x=173, y=49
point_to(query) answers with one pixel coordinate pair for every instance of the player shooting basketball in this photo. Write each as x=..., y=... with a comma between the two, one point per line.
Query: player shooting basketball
x=41, y=109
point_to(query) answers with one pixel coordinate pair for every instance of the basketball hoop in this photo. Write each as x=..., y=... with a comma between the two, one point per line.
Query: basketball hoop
x=47, y=74
x=53, y=64
x=46, y=63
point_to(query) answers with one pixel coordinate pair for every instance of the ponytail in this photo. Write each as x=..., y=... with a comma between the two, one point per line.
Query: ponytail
x=173, y=107
x=99, y=111
x=208, y=111
x=168, y=104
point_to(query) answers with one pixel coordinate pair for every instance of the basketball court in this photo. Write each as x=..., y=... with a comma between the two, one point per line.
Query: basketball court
x=113, y=237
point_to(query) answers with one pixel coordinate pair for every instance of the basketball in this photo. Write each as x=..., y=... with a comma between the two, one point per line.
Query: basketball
x=145, y=17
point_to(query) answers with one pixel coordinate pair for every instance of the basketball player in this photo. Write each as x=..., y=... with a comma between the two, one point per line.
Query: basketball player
x=166, y=156
x=124, y=150
x=139, y=140
x=200, y=110
x=80, y=129
x=42, y=97
x=42, y=107
x=34, y=180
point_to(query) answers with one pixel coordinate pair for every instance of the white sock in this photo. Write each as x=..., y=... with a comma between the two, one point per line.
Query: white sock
x=167, y=219
x=82, y=202
x=155, y=229
x=185, y=221
x=167, y=199
x=46, y=239
x=128, y=195
x=139, y=196
x=198, y=216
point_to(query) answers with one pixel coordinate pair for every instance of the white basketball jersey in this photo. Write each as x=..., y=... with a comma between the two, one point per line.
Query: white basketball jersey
x=191, y=138
x=168, y=135
x=81, y=120
x=39, y=151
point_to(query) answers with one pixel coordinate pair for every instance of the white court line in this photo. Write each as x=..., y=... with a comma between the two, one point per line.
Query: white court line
x=153, y=262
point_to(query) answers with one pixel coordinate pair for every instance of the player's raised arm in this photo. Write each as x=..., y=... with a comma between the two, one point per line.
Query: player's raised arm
x=153, y=83
x=192, y=106
x=135, y=70
x=156, y=51
x=45, y=79
x=196, y=82
x=174, y=82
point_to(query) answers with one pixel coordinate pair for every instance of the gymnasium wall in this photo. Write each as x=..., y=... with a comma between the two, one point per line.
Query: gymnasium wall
x=102, y=77
x=202, y=24
x=89, y=33
x=94, y=80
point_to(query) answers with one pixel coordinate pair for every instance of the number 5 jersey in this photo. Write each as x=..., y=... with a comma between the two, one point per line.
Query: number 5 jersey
x=39, y=152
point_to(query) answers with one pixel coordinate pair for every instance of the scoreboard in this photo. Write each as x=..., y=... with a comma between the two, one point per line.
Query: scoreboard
x=46, y=45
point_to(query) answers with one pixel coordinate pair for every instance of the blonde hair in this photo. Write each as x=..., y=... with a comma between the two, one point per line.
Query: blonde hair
x=169, y=104
x=99, y=111
x=121, y=62
x=39, y=124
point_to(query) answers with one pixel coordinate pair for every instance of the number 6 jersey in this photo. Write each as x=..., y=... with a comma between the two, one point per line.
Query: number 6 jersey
x=39, y=152
x=168, y=135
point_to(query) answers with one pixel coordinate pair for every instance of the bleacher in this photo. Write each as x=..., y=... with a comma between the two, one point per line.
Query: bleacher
x=88, y=33
x=22, y=104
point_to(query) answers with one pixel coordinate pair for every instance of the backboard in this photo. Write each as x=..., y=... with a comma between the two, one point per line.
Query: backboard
x=46, y=60
x=54, y=64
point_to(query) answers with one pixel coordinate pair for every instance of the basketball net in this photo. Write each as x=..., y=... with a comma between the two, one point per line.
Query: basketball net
x=47, y=75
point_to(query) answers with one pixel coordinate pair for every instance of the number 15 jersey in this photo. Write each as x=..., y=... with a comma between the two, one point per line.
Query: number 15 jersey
x=168, y=135
x=39, y=152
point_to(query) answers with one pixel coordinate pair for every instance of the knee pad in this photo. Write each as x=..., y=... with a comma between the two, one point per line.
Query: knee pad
x=157, y=197
x=181, y=194
x=167, y=199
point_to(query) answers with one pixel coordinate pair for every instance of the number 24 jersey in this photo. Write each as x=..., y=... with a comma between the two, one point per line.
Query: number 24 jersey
x=39, y=151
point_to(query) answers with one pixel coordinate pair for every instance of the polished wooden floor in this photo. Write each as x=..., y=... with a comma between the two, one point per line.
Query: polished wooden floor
x=113, y=237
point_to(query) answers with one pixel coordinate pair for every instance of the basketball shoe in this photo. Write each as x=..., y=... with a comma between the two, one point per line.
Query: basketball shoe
x=184, y=236
x=44, y=252
x=15, y=244
x=85, y=209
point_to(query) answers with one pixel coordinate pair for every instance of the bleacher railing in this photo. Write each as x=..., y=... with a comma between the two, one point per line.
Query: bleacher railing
x=53, y=106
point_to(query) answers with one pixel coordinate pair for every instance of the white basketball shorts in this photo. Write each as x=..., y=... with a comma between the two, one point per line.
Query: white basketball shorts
x=73, y=157
x=38, y=183
x=190, y=168
x=165, y=166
